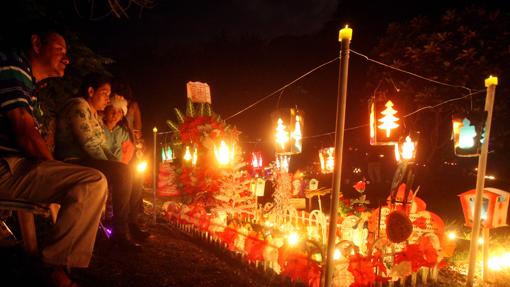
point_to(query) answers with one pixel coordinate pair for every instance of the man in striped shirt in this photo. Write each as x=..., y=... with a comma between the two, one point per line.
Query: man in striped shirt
x=27, y=168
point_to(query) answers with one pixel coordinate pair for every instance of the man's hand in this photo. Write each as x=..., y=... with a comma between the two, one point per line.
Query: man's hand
x=27, y=136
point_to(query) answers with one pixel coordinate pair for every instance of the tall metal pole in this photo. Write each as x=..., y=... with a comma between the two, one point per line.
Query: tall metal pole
x=154, y=170
x=490, y=84
x=344, y=37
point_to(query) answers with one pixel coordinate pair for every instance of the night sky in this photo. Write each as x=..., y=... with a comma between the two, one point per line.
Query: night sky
x=244, y=50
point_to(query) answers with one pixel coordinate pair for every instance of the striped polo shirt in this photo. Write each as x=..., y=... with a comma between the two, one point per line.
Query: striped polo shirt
x=16, y=87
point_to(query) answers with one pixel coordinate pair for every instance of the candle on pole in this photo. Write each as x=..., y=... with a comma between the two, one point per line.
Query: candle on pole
x=154, y=170
x=345, y=37
x=490, y=84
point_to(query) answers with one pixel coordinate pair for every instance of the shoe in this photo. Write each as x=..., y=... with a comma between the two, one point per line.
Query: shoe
x=137, y=233
x=124, y=243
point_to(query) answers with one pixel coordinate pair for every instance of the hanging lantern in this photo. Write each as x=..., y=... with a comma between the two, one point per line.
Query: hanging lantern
x=256, y=160
x=468, y=133
x=224, y=154
x=190, y=157
x=384, y=125
x=494, y=207
x=327, y=159
x=283, y=162
x=288, y=131
x=405, y=150
x=167, y=153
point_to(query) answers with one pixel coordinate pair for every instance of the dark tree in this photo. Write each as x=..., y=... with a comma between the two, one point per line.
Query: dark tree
x=459, y=47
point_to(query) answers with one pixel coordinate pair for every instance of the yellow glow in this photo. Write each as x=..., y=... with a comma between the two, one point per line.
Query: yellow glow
x=224, y=155
x=389, y=121
x=187, y=154
x=491, y=81
x=337, y=255
x=297, y=135
x=293, y=238
x=282, y=135
x=141, y=166
x=195, y=157
x=372, y=120
x=327, y=159
x=154, y=129
x=499, y=262
x=345, y=33
x=481, y=241
x=452, y=235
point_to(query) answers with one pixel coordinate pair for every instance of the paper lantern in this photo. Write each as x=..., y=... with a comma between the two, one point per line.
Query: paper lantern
x=494, y=207
x=190, y=156
x=283, y=162
x=327, y=159
x=384, y=123
x=405, y=150
x=167, y=153
x=468, y=133
x=256, y=160
x=288, y=131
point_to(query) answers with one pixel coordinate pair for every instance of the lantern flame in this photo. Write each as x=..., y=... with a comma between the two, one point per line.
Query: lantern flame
x=187, y=154
x=282, y=136
x=224, y=155
x=408, y=149
x=297, y=134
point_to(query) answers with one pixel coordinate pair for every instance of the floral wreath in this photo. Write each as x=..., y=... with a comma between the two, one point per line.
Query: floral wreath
x=201, y=129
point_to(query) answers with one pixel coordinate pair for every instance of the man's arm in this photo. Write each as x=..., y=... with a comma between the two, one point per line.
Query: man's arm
x=27, y=136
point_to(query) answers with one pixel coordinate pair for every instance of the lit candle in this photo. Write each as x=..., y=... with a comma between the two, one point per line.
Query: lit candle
x=491, y=81
x=345, y=34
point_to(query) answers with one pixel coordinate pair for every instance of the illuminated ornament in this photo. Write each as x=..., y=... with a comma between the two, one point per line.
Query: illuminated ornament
x=386, y=129
x=282, y=163
x=468, y=133
x=297, y=135
x=327, y=159
x=167, y=153
x=494, y=207
x=282, y=135
x=288, y=131
x=406, y=150
x=224, y=154
x=389, y=121
x=256, y=160
x=189, y=157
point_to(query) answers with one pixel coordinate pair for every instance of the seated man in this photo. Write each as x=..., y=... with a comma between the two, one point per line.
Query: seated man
x=80, y=139
x=27, y=168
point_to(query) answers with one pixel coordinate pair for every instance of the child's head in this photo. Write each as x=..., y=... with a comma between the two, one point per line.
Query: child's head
x=115, y=111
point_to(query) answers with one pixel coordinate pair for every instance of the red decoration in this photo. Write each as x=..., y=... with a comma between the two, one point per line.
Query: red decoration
x=362, y=269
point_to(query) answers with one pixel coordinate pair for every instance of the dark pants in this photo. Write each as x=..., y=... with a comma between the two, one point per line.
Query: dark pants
x=125, y=202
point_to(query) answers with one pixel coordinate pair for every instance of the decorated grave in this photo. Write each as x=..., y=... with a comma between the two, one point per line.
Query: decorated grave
x=211, y=190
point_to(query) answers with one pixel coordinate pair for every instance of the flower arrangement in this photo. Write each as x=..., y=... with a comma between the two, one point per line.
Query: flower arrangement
x=201, y=129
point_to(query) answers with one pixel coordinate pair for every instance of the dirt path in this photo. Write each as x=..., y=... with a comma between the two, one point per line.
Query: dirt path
x=170, y=258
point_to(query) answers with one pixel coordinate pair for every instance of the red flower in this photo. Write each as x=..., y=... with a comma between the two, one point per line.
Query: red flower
x=362, y=269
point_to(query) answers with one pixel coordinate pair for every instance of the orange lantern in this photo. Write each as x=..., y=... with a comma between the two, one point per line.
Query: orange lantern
x=405, y=150
x=288, y=131
x=327, y=159
x=494, y=207
x=384, y=123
